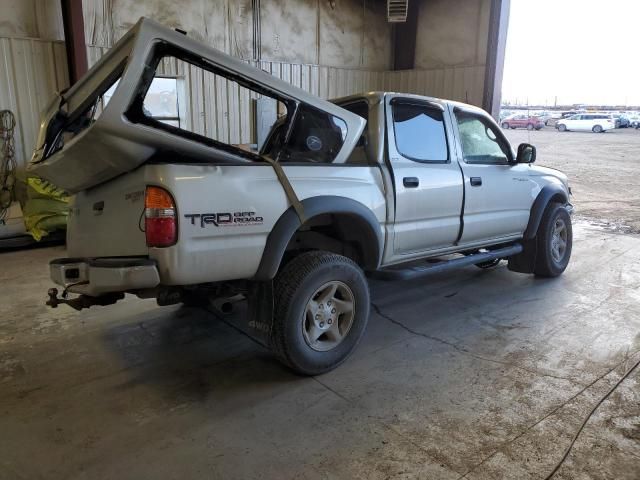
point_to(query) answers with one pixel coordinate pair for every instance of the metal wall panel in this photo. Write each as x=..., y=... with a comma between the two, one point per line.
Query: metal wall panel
x=464, y=84
x=31, y=70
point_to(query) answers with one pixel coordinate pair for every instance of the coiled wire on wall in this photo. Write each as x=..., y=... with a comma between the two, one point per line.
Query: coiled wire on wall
x=7, y=160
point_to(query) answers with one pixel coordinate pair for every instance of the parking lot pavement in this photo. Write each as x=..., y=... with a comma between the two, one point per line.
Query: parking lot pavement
x=480, y=373
x=603, y=170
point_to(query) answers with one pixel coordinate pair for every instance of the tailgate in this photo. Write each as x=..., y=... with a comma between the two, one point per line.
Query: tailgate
x=108, y=220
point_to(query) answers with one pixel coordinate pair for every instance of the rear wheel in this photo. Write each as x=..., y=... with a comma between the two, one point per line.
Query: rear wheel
x=530, y=126
x=321, y=311
x=555, y=240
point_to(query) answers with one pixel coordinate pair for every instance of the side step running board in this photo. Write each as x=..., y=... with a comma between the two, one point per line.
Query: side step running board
x=446, y=265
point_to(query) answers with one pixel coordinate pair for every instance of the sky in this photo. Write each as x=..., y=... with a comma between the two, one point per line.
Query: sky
x=580, y=51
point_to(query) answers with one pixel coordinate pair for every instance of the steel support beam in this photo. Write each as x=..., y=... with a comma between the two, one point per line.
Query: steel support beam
x=404, y=39
x=73, y=23
x=496, y=47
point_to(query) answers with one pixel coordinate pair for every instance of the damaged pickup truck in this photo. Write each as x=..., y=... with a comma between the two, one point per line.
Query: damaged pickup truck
x=170, y=201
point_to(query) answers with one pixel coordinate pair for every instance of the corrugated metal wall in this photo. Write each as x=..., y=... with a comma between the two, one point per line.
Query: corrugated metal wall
x=30, y=71
x=464, y=84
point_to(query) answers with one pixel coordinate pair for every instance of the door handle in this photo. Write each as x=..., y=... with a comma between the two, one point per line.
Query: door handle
x=410, y=182
x=476, y=181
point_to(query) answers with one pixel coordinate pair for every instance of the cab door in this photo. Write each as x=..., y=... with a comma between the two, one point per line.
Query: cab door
x=498, y=192
x=427, y=179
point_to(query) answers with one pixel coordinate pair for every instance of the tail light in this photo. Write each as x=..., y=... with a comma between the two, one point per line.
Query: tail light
x=160, y=221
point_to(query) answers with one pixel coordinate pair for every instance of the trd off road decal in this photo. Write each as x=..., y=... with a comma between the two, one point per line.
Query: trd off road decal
x=224, y=219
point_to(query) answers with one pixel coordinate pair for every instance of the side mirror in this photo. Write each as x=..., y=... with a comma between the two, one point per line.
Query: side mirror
x=526, y=153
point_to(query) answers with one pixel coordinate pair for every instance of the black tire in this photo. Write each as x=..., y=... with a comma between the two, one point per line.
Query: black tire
x=530, y=126
x=505, y=125
x=295, y=286
x=562, y=127
x=597, y=129
x=547, y=263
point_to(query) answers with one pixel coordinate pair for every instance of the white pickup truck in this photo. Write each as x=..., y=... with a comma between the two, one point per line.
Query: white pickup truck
x=375, y=183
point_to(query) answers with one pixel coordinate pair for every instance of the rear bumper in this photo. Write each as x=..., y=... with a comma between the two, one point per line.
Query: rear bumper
x=98, y=276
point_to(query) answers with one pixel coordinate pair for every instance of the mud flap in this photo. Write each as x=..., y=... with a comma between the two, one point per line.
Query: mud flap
x=525, y=261
x=260, y=311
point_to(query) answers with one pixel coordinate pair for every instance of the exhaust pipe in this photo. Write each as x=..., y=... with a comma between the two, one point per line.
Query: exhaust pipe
x=225, y=306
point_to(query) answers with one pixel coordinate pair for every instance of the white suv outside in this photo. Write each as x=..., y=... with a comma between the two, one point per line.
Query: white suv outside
x=587, y=122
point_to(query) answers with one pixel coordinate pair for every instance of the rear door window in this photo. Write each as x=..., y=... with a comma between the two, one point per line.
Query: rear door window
x=420, y=132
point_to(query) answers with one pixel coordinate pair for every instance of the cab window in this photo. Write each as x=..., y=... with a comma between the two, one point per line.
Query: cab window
x=359, y=155
x=420, y=132
x=360, y=108
x=316, y=137
x=482, y=142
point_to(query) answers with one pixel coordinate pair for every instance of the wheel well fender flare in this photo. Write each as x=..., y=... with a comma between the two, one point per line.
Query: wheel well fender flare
x=372, y=241
x=548, y=194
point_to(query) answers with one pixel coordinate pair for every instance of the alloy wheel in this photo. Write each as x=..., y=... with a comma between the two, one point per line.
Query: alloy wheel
x=328, y=316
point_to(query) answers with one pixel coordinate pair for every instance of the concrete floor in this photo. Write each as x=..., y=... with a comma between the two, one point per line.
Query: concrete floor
x=476, y=374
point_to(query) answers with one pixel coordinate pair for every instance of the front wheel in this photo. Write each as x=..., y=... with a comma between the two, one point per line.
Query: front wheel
x=321, y=311
x=597, y=129
x=562, y=128
x=505, y=125
x=530, y=126
x=555, y=240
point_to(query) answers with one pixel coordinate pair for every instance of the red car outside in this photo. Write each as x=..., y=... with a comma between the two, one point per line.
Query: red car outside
x=522, y=121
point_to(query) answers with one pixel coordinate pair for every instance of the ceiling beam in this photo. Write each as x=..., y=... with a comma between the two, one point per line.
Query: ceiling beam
x=404, y=39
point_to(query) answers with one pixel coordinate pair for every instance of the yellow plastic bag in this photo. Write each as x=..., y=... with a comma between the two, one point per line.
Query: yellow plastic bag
x=46, y=209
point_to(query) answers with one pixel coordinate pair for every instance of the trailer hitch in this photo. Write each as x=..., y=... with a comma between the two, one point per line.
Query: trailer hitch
x=82, y=301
